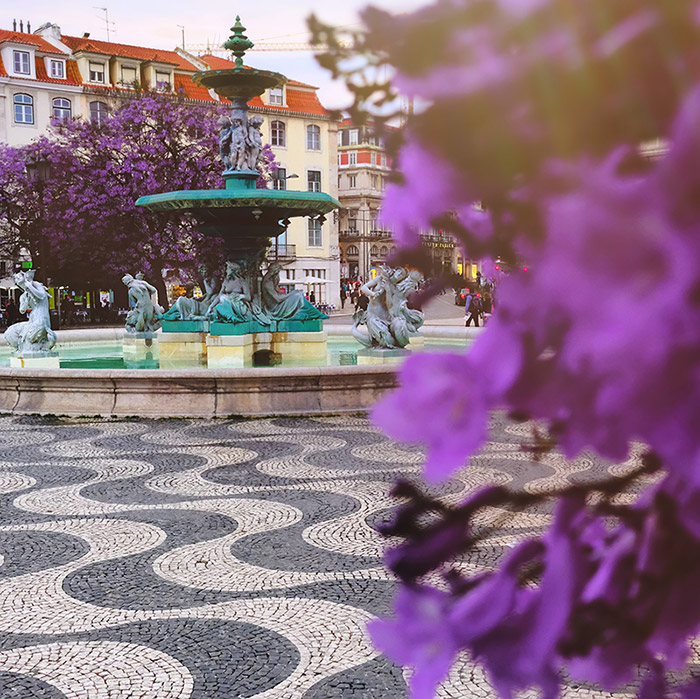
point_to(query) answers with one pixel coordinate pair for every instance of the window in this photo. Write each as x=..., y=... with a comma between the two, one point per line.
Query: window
x=57, y=69
x=375, y=182
x=61, y=108
x=383, y=250
x=97, y=72
x=280, y=181
x=313, y=180
x=128, y=76
x=98, y=112
x=373, y=251
x=24, y=109
x=162, y=81
x=382, y=160
x=276, y=96
x=373, y=140
x=352, y=158
x=352, y=181
x=313, y=137
x=375, y=159
x=315, y=237
x=354, y=137
x=278, y=135
x=21, y=61
x=339, y=181
x=353, y=251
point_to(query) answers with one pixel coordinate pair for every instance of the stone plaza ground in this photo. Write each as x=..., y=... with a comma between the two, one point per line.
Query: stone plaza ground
x=171, y=559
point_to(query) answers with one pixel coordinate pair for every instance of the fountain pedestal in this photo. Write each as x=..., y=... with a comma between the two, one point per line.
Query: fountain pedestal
x=182, y=349
x=381, y=355
x=140, y=350
x=233, y=351
x=300, y=347
x=36, y=360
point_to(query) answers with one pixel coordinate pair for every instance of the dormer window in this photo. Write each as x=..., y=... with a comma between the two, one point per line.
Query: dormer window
x=97, y=72
x=277, y=96
x=128, y=76
x=21, y=62
x=162, y=81
x=57, y=69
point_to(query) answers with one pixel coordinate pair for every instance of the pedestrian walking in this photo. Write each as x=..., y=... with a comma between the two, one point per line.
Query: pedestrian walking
x=343, y=295
x=475, y=309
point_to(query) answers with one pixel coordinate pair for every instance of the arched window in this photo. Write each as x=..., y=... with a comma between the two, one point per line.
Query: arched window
x=24, y=109
x=313, y=137
x=352, y=251
x=393, y=249
x=383, y=250
x=98, y=112
x=61, y=108
x=374, y=251
x=278, y=133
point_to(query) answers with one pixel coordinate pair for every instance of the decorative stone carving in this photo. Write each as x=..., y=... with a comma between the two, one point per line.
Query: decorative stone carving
x=143, y=316
x=189, y=308
x=240, y=142
x=254, y=142
x=233, y=302
x=280, y=306
x=34, y=336
x=390, y=322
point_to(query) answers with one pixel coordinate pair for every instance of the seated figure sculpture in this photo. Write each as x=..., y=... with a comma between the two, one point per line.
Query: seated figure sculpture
x=390, y=322
x=280, y=306
x=189, y=308
x=34, y=336
x=143, y=316
x=233, y=302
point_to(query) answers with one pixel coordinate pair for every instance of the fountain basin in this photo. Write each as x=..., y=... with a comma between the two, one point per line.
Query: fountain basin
x=249, y=392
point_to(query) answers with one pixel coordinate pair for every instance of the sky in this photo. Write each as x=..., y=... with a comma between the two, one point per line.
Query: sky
x=156, y=24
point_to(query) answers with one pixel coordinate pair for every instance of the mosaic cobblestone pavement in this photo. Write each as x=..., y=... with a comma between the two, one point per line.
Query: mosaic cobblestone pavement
x=209, y=560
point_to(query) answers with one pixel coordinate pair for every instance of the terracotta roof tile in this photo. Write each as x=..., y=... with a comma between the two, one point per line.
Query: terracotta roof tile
x=31, y=40
x=72, y=74
x=139, y=53
x=194, y=92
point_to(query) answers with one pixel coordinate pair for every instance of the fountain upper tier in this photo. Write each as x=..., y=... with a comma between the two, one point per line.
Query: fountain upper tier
x=242, y=215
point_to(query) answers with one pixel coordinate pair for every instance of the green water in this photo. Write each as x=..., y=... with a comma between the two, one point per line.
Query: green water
x=108, y=355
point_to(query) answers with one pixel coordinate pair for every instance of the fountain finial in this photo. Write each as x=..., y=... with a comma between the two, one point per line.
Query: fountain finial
x=238, y=43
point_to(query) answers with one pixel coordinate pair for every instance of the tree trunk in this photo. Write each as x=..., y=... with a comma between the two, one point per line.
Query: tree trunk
x=159, y=284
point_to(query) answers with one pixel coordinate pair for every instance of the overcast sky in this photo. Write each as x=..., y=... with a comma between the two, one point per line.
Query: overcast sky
x=154, y=23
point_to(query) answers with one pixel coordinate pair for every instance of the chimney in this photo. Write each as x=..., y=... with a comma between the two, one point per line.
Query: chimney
x=29, y=28
x=86, y=35
x=49, y=30
x=21, y=27
x=14, y=25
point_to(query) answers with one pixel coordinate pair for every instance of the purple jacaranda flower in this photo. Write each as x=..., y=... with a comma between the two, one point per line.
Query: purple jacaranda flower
x=419, y=637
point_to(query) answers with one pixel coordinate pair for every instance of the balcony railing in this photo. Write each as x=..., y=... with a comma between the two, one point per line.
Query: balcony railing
x=282, y=252
x=354, y=234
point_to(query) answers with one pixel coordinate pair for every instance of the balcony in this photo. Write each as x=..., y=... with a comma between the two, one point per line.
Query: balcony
x=284, y=252
x=354, y=234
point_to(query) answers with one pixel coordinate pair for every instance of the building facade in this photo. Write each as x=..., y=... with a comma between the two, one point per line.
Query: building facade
x=363, y=169
x=47, y=75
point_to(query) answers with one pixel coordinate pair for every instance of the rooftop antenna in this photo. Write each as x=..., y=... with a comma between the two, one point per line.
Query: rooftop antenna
x=183, y=35
x=106, y=19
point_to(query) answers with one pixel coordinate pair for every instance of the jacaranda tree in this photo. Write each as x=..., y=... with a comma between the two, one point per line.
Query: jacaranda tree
x=82, y=223
x=539, y=110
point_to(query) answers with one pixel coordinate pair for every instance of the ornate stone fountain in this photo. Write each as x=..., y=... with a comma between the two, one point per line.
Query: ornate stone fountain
x=245, y=313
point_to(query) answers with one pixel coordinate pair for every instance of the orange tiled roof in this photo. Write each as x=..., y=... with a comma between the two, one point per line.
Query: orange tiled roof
x=31, y=40
x=139, y=53
x=194, y=92
x=72, y=74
